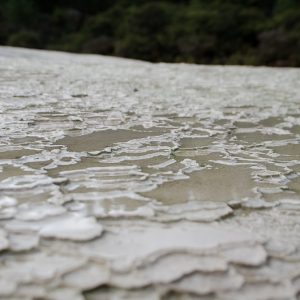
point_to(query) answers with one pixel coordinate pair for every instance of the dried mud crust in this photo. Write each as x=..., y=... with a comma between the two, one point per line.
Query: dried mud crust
x=122, y=179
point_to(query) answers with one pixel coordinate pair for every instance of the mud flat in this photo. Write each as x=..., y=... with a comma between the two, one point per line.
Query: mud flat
x=122, y=179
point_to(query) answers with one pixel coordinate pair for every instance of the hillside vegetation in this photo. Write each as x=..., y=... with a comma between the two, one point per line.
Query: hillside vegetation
x=252, y=32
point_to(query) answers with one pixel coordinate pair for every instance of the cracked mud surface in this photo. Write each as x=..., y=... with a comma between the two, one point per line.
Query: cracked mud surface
x=122, y=179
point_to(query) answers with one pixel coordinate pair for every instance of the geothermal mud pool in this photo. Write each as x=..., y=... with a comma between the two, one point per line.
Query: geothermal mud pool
x=122, y=179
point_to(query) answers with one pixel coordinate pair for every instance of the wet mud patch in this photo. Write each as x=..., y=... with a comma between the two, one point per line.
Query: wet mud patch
x=7, y=171
x=244, y=124
x=196, y=142
x=222, y=184
x=26, y=140
x=97, y=141
x=38, y=164
x=83, y=163
x=15, y=154
x=257, y=137
x=289, y=151
x=295, y=129
x=271, y=121
x=294, y=185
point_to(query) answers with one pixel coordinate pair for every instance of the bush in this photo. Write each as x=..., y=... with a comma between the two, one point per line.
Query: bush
x=25, y=38
x=100, y=45
x=279, y=48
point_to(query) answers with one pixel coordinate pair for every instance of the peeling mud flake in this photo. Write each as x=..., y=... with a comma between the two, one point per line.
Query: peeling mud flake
x=262, y=291
x=7, y=213
x=74, y=228
x=64, y=293
x=88, y=277
x=6, y=201
x=246, y=255
x=121, y=294
x=4, y=244
x=192, y=211
x=204, y=284
x=132, y=242
x=7, y=287
x=31, y=291
x=23, y=242
x=7, y=207
x=258, y=204
x=34, y=212
x=166, y=269
x=37, y=267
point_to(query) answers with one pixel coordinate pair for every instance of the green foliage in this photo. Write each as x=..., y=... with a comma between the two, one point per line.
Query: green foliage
x=25, y=38
x=18, y=12
x=255, y=32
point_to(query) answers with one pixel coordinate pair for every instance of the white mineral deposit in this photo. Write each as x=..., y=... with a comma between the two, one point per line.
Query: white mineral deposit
x=122, y=179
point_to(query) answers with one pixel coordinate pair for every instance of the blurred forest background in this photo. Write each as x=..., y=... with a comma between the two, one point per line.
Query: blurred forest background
x=252, y=32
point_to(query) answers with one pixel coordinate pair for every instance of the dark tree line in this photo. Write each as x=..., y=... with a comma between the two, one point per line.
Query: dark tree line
x=254, y=32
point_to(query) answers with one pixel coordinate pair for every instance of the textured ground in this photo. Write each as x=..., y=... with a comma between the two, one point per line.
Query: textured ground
x=122, y=179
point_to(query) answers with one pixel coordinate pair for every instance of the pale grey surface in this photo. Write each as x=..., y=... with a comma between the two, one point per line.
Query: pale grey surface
x=122, y=179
